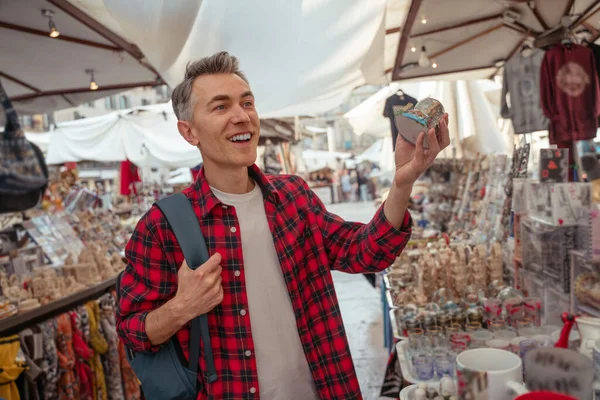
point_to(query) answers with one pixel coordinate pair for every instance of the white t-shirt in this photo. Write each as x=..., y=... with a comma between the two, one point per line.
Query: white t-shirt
x=283, y=371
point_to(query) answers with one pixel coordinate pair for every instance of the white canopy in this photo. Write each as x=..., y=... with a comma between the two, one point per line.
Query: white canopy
x=42, y=140
x=317, y=159
x=380, y=153
x=301, y=56
x=147, y=136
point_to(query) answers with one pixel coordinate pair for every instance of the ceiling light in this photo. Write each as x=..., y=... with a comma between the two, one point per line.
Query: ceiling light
x=423, y=59
x=423, y=20
x=413, y=49
x=93, y=84
x=54, y=33
x=434, y=65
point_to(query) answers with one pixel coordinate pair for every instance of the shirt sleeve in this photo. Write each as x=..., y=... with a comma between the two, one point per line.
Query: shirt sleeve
x=355, y=247
x=149, y=280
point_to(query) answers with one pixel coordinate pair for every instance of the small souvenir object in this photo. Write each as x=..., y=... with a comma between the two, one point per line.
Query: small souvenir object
x=432, y=307
x=425, y=115
x=447, y=387
x=420, y=394
x=29, y=304
x=554, y=165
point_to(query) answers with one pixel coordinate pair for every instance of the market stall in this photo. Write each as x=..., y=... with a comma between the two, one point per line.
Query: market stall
x=503, y=263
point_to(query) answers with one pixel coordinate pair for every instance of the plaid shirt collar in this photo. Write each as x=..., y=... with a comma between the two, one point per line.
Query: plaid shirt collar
x=205, y=197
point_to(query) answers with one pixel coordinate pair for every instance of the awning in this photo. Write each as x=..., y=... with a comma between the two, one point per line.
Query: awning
x=301, y=57
x=471, y=39
x=42, y=74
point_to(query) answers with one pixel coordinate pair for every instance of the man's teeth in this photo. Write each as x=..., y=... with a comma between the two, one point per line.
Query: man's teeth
x=245, y=136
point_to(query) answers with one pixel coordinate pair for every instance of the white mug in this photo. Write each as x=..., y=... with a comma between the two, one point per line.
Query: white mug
x=559, y=370
x=488, y=374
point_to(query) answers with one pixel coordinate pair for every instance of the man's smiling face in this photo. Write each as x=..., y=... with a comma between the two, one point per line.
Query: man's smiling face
x=225, y=123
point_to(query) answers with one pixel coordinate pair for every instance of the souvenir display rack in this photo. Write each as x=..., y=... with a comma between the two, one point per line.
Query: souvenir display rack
x=16, y=323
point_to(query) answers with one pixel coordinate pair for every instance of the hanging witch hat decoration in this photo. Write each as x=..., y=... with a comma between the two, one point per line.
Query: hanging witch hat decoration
x=412, y=120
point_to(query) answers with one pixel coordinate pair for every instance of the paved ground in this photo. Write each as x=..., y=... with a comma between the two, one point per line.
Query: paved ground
x=361, y=310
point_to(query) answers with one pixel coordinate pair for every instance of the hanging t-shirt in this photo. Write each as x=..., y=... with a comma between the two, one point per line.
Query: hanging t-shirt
x=521, y=87
x=129, y=176
x=396, y=100
x=569, y=92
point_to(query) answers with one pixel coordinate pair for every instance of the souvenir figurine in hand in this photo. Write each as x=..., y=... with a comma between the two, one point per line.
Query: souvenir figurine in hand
x=424, y=116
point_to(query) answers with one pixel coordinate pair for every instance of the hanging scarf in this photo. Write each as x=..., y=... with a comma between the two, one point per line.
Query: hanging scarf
x=32, y=344
x=84, y=320
x=12, y=364
x=50, y=361
x=110, y=360
x=67, y=384
x=83, y=354
x=131, y=384
x=99, y=346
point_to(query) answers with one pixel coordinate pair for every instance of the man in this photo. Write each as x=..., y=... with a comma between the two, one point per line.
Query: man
x=275, y=324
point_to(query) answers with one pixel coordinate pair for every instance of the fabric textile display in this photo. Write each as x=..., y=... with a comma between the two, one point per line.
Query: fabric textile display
x=100, y=346
x=569, y=92
x=50, y=361
x=68, y=388
x=32, y=344
x=12, y=364
x=396, y=100
x=521, y=86
x=110, y=360
x=76, y=355
x=83, y=355
x=131, y=386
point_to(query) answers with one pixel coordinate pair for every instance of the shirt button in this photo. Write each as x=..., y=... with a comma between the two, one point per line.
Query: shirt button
x=243, y=312
x=237, y=273
x=233, y=229
x=248, y=353
x=224, y=206
x=252, y=390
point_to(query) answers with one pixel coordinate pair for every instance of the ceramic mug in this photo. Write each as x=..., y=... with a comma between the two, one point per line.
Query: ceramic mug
x=488, y=374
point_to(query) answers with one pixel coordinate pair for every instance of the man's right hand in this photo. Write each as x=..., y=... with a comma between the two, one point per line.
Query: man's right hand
x=199, y=290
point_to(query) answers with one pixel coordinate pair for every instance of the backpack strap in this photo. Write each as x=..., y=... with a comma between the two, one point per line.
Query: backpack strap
x=184, y=223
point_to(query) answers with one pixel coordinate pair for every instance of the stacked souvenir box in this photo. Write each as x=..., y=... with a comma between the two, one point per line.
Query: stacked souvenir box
x=585, y=280
x=546, y=251
x=558, y=222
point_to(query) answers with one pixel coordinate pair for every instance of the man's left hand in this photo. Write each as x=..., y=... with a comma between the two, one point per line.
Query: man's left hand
x=412, y=161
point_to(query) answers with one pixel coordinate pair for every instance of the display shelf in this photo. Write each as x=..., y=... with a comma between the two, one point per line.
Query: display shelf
x=395, y=326
x=386, y=282
x=15, y=324
x=390, y=300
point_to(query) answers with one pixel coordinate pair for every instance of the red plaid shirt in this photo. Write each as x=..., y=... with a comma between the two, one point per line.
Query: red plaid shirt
x=309, y=242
